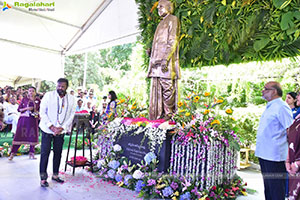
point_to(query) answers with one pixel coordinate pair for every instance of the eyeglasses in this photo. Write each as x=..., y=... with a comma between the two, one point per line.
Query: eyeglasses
x=268, y=88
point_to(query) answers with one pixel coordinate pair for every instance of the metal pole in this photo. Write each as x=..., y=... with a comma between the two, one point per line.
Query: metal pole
x=84, y=73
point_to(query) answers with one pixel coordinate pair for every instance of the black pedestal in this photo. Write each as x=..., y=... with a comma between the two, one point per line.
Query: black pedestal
x=135, y=149
x=81, y=122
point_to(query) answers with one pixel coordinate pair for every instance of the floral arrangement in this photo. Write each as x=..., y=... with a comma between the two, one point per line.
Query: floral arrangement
x=80, y=160
x=149, y=183
x=24, y=149
x=127, y=107
x=154, y=130
x=202, y=117
x=5, y=149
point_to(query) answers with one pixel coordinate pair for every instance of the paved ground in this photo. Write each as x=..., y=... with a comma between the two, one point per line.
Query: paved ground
x=19, y=179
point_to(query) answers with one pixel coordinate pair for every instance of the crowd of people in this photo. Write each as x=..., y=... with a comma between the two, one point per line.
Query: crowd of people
x=19, y=111
x=50, y=114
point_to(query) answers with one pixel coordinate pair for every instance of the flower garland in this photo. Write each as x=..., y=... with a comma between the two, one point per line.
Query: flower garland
x=208, y=163
x=144, y=179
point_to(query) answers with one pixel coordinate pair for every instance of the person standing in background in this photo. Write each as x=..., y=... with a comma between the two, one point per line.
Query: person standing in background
x=27, y=129
x=271, y=141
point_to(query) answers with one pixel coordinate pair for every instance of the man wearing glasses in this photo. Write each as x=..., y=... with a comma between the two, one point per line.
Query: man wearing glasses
x=271, y=141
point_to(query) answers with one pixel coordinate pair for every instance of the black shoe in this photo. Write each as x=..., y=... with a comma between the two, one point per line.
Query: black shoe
x=44, y=184
x=57, y=179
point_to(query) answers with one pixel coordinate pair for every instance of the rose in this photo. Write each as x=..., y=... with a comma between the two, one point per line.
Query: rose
x=149, y=157
x=117, y=148
x=137, y=174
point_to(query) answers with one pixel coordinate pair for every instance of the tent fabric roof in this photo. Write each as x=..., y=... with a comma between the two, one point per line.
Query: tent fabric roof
x=33, y=43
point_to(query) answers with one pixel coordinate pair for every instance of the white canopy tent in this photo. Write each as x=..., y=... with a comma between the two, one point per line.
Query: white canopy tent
x=33, y=43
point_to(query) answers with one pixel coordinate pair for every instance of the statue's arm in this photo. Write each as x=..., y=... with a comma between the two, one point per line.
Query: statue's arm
x=173, y=38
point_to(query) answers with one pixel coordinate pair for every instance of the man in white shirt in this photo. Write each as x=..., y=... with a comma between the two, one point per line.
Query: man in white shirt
x=57, y=111
x=271, y=141
x=11, y=114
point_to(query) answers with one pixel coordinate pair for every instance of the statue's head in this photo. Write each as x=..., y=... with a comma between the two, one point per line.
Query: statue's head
x=165, y=7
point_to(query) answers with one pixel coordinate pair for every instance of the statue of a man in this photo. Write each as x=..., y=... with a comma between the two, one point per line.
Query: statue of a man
x=164, y=68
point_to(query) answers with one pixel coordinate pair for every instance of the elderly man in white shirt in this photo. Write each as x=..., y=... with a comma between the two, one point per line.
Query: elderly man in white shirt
x=271, y=141
x=57, y=111
x=11, y=114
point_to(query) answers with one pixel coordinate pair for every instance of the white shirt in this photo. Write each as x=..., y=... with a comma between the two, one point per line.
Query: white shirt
x=57, y=111
x=10, y=109
x=271, y=139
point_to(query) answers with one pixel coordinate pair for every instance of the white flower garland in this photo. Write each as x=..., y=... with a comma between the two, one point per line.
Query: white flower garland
x=207, y=163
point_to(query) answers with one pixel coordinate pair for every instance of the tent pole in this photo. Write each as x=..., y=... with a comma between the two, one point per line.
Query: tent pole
x=84, y=73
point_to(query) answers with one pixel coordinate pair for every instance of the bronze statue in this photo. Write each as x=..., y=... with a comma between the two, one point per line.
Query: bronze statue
x=164, y=68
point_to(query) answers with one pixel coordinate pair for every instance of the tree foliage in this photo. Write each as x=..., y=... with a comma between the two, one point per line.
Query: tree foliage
x=116, y=58
x=228, y=31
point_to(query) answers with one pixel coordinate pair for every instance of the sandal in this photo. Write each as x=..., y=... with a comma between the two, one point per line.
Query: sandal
x=31, y=156
x=44, y=183
x=11, y=157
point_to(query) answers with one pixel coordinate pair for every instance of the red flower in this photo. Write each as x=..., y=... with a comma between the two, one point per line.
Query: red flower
x=227, y=190
x=235, y=188
x=225, y=194
x=207, y=198
x=214, y=188
x=244, y=190
x=245, y=183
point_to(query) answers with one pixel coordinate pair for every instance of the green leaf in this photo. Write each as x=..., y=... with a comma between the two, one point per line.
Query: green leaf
x=286, y=21
x=297, y=15
x=281, y=4
x=261, y=43
x=291, y=30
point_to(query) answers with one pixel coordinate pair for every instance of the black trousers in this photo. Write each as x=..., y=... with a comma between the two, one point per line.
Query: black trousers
x=58, y=142
x=274, y=175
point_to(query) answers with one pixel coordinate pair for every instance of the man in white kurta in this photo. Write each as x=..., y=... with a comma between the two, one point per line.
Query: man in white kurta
x=57, y=111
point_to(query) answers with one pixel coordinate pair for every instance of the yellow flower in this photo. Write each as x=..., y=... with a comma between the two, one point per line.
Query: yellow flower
x=196, y=98
x=181, y=111
x=228, y=111
x=220, y=101
x=174, y=198
x=133, y=107
x=206, y=112
x=120, y=184
x=215, y=122
x=110, y=114
x=139, y=123
x=244, y=193
x=187, y=114
x=232, y=118
x=180, y=104
x=160, y=186
x=121, y=101
x=176, y=193
x=201, y=19
x=206, y=94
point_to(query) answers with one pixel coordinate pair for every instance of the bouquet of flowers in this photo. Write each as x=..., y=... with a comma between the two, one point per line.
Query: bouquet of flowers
x=202, y=116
